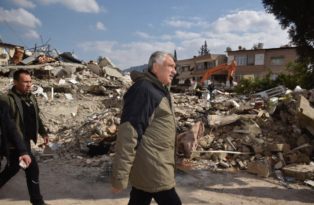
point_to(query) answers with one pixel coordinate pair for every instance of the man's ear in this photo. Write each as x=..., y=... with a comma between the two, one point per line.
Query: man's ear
x=155, y=67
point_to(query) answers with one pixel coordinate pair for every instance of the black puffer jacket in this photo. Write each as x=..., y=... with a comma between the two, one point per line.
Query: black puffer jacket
x=9, y=133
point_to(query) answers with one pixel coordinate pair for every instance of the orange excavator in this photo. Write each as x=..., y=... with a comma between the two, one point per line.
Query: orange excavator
x=231, y=70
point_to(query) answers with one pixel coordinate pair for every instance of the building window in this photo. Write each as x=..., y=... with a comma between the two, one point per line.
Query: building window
x=4, y=51
x=277, y=60
x=186, y=68
x=238, y=77
x=273, y=76
x=256, y=76
x=241, y=59
x=5, y=63
x=250, y=59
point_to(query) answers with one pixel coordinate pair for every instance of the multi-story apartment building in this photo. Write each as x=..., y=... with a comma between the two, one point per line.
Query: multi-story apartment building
x=249, y=62
x=257, y=62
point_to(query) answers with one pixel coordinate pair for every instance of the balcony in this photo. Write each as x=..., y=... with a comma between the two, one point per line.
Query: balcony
x=3, y=55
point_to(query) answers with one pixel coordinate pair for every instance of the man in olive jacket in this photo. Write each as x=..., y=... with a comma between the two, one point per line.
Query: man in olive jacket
x=9, y=133
x=25, y=112
x=146, y=143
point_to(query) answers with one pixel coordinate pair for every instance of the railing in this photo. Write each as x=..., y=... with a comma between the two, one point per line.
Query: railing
x=202, y=67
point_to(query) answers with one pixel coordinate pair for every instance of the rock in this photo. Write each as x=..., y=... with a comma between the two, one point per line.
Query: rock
x=209, y=155
x=112, y=129
x=104, y=158
x=266, y=153
x=254, y=128
x=218, y=120
x=224, y=164
x=299, y=171
x=304, y=158
x=257, y=149
x=68, y=156
x=278, y=147
x=279, y=165
x=240, y=163
x=205, y=141
x=96, y=163
x=88, y=161
x=258, y=156
x=221, y=155
x=260, y=169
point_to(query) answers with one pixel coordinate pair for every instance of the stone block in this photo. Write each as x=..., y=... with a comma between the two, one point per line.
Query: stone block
x=262, y=170
x=257, y=149
x=299, y=171
x=278, y=147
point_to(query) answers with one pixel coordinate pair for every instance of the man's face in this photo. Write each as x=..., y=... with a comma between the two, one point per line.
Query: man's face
x=166, y=72
x=24, y=83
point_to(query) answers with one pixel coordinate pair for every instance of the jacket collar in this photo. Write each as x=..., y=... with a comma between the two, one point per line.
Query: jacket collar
x=15, y=92
x=150, y=76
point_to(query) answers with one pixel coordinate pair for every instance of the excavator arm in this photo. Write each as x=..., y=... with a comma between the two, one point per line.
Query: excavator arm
x=231, y=70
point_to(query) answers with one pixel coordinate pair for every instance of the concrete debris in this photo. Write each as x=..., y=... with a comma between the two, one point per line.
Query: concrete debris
x=299, y=171
x=81, y=107
x=257, y=133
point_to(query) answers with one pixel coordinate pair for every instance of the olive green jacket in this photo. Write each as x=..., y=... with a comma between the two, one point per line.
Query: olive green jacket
x=146, y=142
x=16, y=110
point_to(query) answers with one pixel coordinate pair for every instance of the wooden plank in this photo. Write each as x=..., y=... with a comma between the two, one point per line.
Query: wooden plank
x=197, y=177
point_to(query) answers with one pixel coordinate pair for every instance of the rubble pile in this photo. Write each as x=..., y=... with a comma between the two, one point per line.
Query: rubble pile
x=81, y=107
x=254, y=133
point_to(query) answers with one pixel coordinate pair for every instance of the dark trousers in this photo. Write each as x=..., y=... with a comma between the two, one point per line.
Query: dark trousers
x=211, y=93
x=199, y=95
x=32, y=175
x=231, y=81
x=139, y=197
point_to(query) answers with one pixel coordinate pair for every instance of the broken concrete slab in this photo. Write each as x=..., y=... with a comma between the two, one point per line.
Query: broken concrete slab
x=217, y=120
x=299, y=171
x=262, y=170
x=278, y=147
x=305, y=111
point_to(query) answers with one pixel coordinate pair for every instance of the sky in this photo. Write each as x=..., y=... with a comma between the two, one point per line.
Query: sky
x=128, y=32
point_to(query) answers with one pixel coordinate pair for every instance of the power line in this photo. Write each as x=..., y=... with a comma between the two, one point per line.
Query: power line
x=15, y=33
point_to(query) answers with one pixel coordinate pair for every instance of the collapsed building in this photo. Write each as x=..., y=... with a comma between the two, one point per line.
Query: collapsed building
x=267, y=133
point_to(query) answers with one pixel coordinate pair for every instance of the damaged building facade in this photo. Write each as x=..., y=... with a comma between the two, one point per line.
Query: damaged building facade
x=250, y=63
x=6, y=51
x=257, y=62
x=193, y=69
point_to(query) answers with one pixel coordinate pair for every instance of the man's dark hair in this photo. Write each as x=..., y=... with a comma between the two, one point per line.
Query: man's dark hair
x=17, y=74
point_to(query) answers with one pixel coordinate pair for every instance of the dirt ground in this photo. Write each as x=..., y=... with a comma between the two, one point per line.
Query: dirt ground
x=64, y=183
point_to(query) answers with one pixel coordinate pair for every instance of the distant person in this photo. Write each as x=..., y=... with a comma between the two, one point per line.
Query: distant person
x=198, y=93
x=146, y=142
x=211, y=87
x=231, y=81
x=24, y=109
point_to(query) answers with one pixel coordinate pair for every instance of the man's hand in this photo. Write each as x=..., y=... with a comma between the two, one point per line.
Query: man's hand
x=46, y=140
x=115, y=190
x=26, y=159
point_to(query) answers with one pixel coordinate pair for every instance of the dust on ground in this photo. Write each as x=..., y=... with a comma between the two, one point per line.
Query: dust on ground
x=66, y=184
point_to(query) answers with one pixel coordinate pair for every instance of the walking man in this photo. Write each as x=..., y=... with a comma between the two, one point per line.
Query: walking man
x=25, y=112
x=9, y=133
x=211, y=87
x=146, y=142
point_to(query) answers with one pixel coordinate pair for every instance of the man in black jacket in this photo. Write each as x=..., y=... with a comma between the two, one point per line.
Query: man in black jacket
x=211, y=87
x=23, y=108
x=9, y=133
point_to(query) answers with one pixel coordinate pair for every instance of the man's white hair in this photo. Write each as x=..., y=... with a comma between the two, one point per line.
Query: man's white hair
x=157, y=57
